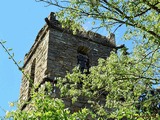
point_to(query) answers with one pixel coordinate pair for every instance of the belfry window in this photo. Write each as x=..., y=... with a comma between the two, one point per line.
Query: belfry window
x=32, y=77
x=33, y=69
x=83, y=59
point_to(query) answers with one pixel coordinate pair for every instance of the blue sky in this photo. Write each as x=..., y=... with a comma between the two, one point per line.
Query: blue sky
x=20, y=21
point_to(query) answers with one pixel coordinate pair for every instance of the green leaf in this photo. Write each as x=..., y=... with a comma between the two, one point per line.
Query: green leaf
x=10, y=49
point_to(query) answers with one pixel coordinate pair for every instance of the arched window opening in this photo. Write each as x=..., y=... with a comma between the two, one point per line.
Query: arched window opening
x=32, y=77
x=83, y=59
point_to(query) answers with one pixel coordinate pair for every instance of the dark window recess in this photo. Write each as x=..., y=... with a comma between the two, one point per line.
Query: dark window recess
x=32, y=77
x=83, y=62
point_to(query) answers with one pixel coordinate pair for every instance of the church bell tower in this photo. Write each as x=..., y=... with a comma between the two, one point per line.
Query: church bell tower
x=57, y=50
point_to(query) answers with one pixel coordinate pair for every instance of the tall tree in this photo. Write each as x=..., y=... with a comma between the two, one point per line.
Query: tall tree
x=141, y=19
x=124, y=81
x=143, y=15
x=121, y=78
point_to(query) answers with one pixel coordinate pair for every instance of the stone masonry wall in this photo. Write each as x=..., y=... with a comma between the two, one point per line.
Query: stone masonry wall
x=38, y=52
x=62, y=53
x=55, y=51
x=63, y=46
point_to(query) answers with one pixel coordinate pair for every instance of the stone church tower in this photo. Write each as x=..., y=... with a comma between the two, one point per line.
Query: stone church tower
x=57, y=50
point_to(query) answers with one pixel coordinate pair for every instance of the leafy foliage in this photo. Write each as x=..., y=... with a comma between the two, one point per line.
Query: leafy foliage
x=113, y=88
x=120, y=79
x=43, y=107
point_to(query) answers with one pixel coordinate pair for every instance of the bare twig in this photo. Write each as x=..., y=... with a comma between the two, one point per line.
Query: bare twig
x=12, y=58
x=117, y=27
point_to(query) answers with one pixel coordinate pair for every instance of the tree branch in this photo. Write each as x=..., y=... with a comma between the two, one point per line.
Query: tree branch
x=11, y=57
x=154, y=7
